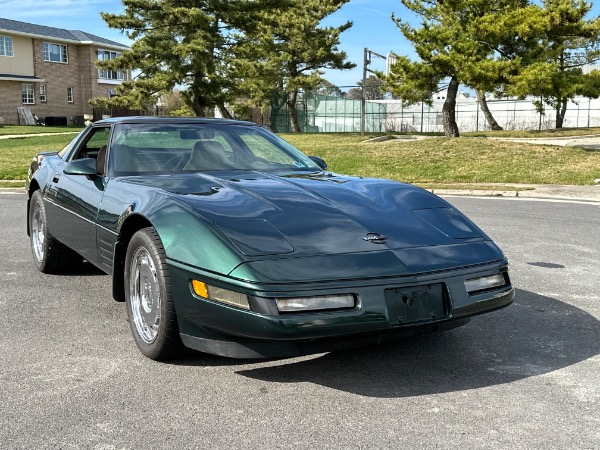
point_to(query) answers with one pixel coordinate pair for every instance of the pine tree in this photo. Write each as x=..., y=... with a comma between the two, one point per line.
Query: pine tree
x=185, y=43
x=459, y=41
x=287, y=52
x=553, y=71
x=373, y=89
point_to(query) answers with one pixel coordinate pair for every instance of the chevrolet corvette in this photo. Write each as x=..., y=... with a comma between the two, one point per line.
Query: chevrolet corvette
x=221, y=237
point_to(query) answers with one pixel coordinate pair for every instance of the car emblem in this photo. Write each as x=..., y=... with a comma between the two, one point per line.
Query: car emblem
x=375, y=238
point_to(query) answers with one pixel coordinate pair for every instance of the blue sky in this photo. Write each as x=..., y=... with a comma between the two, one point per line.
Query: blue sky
x=373, y=27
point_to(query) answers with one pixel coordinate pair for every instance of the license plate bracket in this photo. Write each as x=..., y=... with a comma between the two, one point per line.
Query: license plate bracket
x=416, y=304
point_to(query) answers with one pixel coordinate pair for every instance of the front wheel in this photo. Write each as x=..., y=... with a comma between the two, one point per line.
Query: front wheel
x=150, y=307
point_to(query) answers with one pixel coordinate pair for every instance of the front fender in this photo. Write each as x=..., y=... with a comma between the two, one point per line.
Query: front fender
x=191, y=240
x=187, y=237
x=39, y=169
x=38, y=175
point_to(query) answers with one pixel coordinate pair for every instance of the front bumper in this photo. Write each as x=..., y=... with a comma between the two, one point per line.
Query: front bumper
x=220, y=329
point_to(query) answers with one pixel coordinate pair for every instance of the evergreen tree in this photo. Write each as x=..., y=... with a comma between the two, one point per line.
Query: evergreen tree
x=327, y=88
x=373, y=89
x=185, y=43
x=286, y=52
x=554, y=70
x=459, y=41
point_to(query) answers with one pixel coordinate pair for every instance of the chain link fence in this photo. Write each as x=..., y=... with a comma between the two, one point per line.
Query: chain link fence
x=320, y=113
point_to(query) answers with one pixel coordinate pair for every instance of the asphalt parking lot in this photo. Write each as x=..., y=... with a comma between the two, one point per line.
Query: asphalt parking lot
x=523, y=377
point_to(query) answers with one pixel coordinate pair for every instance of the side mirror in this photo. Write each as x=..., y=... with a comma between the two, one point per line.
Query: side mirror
x=319, y=161
x=85, y=166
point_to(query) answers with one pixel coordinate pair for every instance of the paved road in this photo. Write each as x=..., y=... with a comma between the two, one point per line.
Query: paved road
x=523, y=377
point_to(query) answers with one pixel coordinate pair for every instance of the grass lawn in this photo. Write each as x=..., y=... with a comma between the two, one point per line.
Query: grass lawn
x=16, y=154
x=436, y=162
x=450, y=161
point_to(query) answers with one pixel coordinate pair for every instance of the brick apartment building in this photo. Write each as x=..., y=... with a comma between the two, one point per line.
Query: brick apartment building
x=53, y=71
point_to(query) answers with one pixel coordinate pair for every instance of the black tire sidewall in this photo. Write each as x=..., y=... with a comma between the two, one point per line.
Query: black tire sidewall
x=163, y=346
x=37, y=198
x=58, y=258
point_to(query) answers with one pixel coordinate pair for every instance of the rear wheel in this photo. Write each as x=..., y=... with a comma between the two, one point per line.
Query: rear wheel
x=49, y=255
x=150, y=307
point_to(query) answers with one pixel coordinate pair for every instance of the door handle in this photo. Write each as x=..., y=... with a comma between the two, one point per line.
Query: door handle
x=55, y=178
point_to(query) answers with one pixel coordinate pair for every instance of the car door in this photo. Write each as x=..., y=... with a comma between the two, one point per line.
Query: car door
x=72, y=201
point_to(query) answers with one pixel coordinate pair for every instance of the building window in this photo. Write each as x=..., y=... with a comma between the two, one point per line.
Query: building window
x=110, y=93
x=55, y=52
x=43, y=93
x=70, y=94
x=107, y=74
x=6, y=46
x=27, y=94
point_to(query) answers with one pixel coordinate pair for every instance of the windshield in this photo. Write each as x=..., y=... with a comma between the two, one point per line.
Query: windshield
x=178, y=148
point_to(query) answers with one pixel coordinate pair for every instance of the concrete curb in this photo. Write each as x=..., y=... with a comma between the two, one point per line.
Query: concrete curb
x=542, y=194
x=474, y=192
x=12, y=190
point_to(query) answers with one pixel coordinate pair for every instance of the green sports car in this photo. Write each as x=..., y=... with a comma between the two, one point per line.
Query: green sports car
x=222, y=237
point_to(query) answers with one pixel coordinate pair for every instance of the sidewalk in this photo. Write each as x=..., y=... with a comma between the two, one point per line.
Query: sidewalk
x=541, y=191
x=17, y=136
x=590, y=141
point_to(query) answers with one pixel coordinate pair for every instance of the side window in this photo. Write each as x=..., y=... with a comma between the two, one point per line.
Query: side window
x=65, y=151
x=91, y=146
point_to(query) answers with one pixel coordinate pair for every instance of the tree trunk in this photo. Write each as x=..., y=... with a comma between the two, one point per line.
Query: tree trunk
x=292, y=101
x=486, y=111
x=197, y=108
x=274, y=115
x=277, y=103
x=449, y=110
x=192, y=100
x=224, y=111
x=561, y=110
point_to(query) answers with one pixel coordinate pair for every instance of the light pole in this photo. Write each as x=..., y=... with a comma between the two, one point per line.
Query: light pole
x=363, y=100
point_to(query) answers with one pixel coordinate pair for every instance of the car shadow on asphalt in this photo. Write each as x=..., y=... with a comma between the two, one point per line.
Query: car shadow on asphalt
x=85, y=269
x=534, y=336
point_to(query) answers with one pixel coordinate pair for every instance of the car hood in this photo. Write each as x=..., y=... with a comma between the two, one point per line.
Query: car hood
x=313, y=214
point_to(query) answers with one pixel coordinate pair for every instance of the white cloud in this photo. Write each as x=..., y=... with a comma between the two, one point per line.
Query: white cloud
x=376, y=11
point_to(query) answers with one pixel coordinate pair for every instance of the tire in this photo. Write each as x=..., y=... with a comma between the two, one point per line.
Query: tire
x=49, y=255
x=150, y=308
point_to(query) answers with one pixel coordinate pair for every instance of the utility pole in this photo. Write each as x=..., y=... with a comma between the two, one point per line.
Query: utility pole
x=363, y=100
